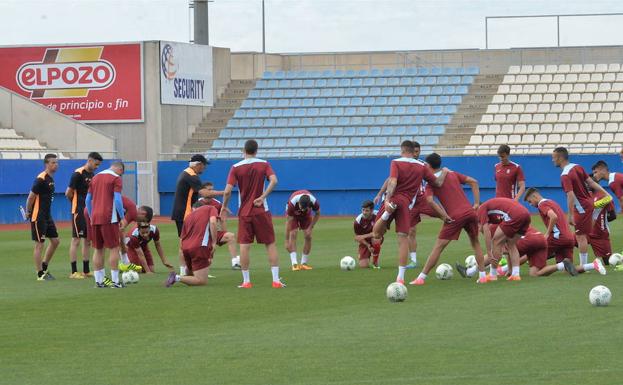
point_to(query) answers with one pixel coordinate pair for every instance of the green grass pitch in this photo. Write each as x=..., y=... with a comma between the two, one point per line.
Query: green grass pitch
x=326, y=327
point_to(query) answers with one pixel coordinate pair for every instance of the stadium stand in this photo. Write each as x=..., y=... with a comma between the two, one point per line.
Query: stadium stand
x=15, y=146
x=345, y=113
x=539, y=107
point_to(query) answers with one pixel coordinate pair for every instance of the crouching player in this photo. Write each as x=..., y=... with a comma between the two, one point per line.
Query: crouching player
x=299, y=217
x=198, y=240
x=560, y=240
x=137, y=244
x=368, y=246
x=223, y=237
x=599, y=238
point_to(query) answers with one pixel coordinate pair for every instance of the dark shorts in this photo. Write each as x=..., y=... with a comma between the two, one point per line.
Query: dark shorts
x=219, y=238
x=105, y=236
x=257, y=227
x=198, y=258
x=300, y=223
x=452, y=231
x=560, y=249
x=363, y=251
x=601, y=247
x=402, y=214
x=518, y=225
x=179, y=225
x=537, y=258
x=79, y=225
x=583, y=222
x=133, y=256
x=42, y=229
x=420, y=208
x=534, y=249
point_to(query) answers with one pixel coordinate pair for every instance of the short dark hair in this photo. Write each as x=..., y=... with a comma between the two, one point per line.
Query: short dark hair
x=562, y=151
x=143, y=225
x=415, y=144
x=305, y=201
x=529, y=192
x=504, y=149
x=250, y=147
x=600, y=163
x=47, y=157
x=407, y=146
x=206, y=184
x=149, y=212
x=367, y=204
x=119, y=164
x=434, y=160
x=95, y=156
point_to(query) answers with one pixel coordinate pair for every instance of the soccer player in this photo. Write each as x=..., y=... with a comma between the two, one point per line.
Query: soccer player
x=560, y=240
x=462, y=215
x=138, y=247
x=514, y=222
x=105, y=207
x=76, y=193
x=575, y=183
x=132, y=213
x=599, y=238
x=405, y=178
x=368, y=246
x=38, y=210
x=299, y=217
x=615, y=179
x=254, y=220
x=223, y=237
x=198, y=240
x=509, y=178
x=187, y=191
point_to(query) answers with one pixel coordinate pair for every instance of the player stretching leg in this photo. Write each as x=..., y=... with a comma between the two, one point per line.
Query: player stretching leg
x=368, y=246
x=298, y=216
x=405, y=178
x=460, y=215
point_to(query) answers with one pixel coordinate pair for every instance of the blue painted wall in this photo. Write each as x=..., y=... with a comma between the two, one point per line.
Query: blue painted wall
x=16, y=178
x=342, y=184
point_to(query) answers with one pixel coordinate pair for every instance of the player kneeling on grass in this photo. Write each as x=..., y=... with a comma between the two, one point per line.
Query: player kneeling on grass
x=560, y=239
x=514, y=222
x=459, y=215
x=198, y=240
x=368, y=246
x=299, y=217
x=137, y=244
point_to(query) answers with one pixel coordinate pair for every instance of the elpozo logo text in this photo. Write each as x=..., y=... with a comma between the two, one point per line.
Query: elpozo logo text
x=66, y=72
x=183, y=88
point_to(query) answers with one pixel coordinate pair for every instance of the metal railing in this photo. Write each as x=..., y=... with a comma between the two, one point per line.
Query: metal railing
x=29, y=154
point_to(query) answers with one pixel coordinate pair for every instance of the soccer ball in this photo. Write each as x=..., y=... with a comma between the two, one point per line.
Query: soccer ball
x=600, y=296
x=444, y=271
x=470, y=261
x=396, y=292
x=126, y=277
x=347, y=263
x=615, y=259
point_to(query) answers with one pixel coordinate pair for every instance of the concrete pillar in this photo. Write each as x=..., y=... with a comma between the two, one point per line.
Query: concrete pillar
x=202, y=29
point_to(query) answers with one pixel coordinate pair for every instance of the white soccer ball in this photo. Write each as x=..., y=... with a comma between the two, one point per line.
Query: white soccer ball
x=347, y=263
x=126, y=277
x=600, y=296
x=396, y=292
x=615, y=259
x=134, y=277
x=470, y=261
x=444, y=271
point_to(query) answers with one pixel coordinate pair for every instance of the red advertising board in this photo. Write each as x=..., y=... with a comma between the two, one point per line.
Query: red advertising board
x=93, y=83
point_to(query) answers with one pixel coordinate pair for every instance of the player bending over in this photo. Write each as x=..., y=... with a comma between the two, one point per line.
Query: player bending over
x=368, y=246
x=615, y=179
x=460, y=215
x=514, y=222
x=138, y=247
x=198, y=241
x=299, y=217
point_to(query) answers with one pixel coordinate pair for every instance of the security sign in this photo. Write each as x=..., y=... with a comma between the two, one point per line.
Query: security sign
x=185, y=74
x=96, y=83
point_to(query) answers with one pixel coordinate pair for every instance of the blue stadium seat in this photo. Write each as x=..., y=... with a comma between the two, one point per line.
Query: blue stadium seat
x=400, y=110
x=363, y=111
x=344, y=83
x=249, y=133
x=315, y=74
x=461, y=90
x=307, y=122
x=368, y=141
x=429, y=100
x=368, y=82
x=324, y=131
x=362, y=131
x=262, y=133
x=297, y=83
x=425, y=130
x=430, y=80
x=456, y=99
x=380, y=141
x=272, y=84
x=254, y=94
x=443, y=99
x=393, y=141
x=274, y=133
x=467, y=79
x=400, y=130
x=375, y=131
x=436, y=71
x=375, y=73
x=320, y=83
x=350, y=74
x=307, y=102
x=381, y=101
x=410, y=71
x=330, y=142
x=331, y=121
x=218, y=143
x=443, y=80
x=437, y=109
x=425, y=110
x=405, y=81
x=298, y=132
x=313, y=112
x=350, y=92
x=283, y=103
x=405, y=119
x=413, y=110
x=412, y=91
x=269, y=123
x=393, y=120
x=350, y=131
x=337, y=131
x=305, y=142
x=380, y=82
x=387, y=91
x=280, y=143
x=343, y=141
x=271, y=103
x=449, y=109
x=326, y=111
x=311, y=131
x=313, y=93
x=438, y=130
x=332, y=83
x=369, y=101
x=412, y=130
x=437, y=90
x=432, y=140
x=374, y=91
x=293, y=142
x=264, y=113
x=418, y=81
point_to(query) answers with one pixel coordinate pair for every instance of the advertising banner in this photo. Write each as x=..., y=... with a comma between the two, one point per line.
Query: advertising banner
x=92, y=83
x=185, y=74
